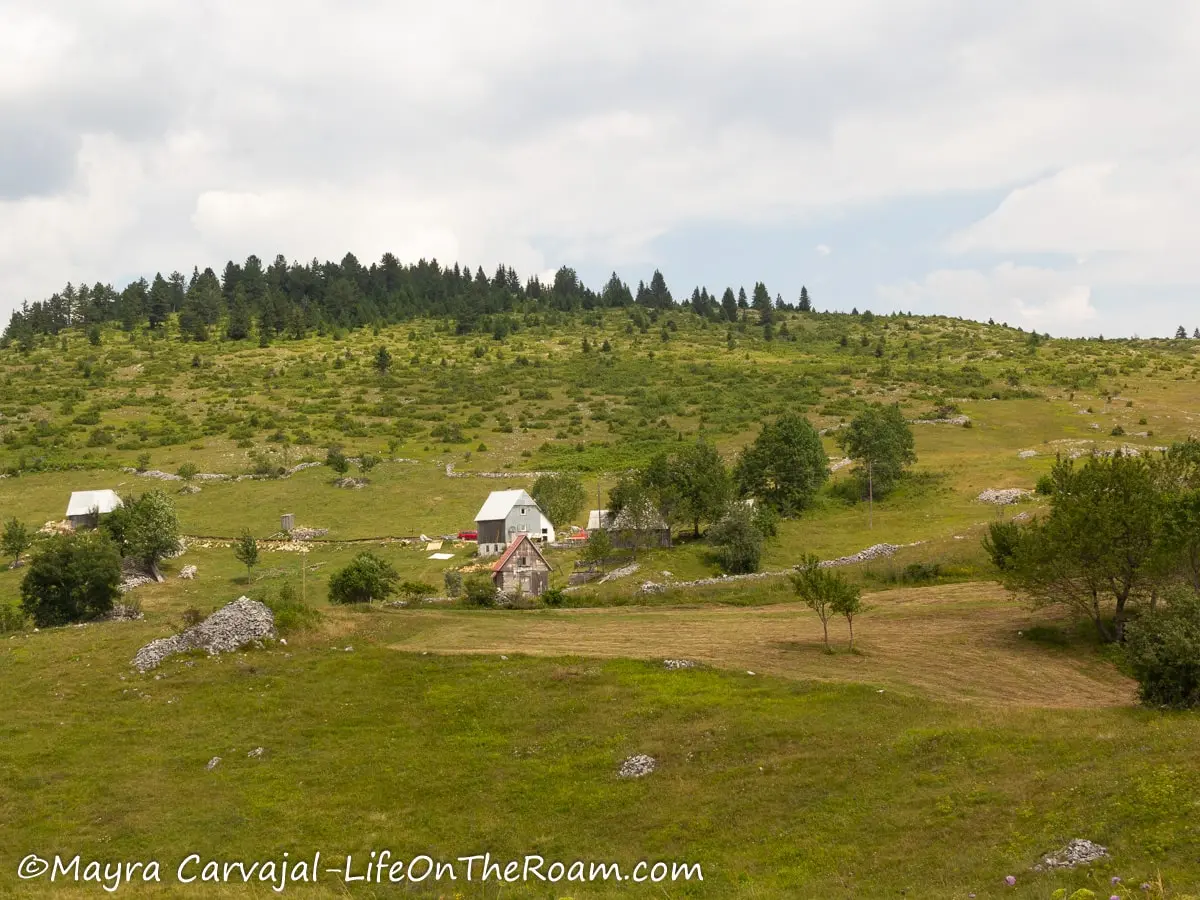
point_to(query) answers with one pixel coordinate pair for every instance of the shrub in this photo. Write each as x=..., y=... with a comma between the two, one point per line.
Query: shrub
x=554, y=597
x=143, y=462
x=291, y=613
x=1044, y=486
x=738, y=542
x=1163, y=648
x=188, y=471
x=920, y=573
x=337, y=461
x=453, y=580
x=367, y=462
x=245, y=548
x=15, y=540
x=12, y=618
x=415, y=591
x=480, y=590
x=75, y=577
x=366, y=578
x=1001, y=542
x=192, y=616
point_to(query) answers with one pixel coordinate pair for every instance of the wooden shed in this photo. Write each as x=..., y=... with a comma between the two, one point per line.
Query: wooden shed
x=522, y=568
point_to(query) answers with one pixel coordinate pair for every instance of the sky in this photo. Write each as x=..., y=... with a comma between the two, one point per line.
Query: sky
x=1036, y=163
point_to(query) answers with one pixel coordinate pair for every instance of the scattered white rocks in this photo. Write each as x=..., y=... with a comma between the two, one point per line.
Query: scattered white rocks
x=450, y=473
x=674, y=664
x=651, y=587
x=836, y=464
x=619, y=573
x=1027, y=454
x=1076, y=853
x=256, y=753
x=308, y=534
x=133, y=578
x=122, y=612
x=1003, y=496
x=187, y=573
x=213, y=763
x=190, y=489
x=151, y=473
x=950, y=420
x=875, y=551
x=637, y=766
x=355, y=483
x=231, y=627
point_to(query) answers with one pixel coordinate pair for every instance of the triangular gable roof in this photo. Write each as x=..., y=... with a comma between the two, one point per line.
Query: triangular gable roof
x=512, y=548
x=83, y=502
x=500, y=503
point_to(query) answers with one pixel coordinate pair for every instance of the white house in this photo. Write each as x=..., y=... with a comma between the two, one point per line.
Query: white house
x=504, y=515
x=85, y=505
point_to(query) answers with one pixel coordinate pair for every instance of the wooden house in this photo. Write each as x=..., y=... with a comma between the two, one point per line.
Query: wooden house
x=522, y=568
x=657, y=534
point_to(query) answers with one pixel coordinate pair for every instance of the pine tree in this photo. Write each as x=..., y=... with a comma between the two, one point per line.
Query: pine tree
x=160, y=302
x=238, y=328
x=805, y=303
x=742, y=304
x=1180, y=333
x=729, y=305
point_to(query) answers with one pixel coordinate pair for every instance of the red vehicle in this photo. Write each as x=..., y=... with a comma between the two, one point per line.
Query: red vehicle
x=468, y=535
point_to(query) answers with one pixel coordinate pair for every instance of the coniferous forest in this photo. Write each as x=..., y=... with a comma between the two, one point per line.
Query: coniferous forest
x=289, y=300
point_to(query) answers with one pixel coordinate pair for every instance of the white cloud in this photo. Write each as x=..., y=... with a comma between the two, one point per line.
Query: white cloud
x=491, y=133
x=1032, y=297
x=823, y=250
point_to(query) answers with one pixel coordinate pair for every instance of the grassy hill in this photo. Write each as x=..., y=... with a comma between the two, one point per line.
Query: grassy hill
x=965, y=737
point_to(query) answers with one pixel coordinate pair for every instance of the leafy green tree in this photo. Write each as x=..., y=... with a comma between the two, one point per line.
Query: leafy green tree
x=1099, y=548
x=366, y=578
x=631, y=504
x=847, y=602
x=1163, y=649
x=152, y=532
x=453, y=580
x=880, y=440
x=559, y=495
x=337, y=461
x=598, y=547
x=73, y=578
x=245, y=548
x=692, y=484
x=15, y=540
x=827, y=593
x=1001, y=541
x=738, y=542
x=785, y=466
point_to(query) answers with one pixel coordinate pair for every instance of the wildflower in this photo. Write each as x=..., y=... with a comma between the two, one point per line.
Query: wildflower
x=1010, y=880
x=1116, y=879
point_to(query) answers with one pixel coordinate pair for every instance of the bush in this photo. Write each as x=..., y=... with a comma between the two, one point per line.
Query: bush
x=291, y=613
x=337, y=461
x=143, y=462
x=738, y=542
x=453, y=580
x=415, y=591
x=1001, y=542
x=1044, y=486
x=1163, y=648
x=192, y=616
x=366, y=578
x=73, y=578
x=12, y=618
x=554, y=597
x=368, y=462
x=921, y=573
x=480, y=590
x=188, y=471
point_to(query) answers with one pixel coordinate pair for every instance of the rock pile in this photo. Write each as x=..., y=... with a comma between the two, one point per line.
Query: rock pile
x=190, y=489
x=674, y=664
x=1027, y=454
x=1077, y=853
x=637, y=766
x=651, y=587
x=308, y=534
x=187, y=573
x=122, y=612
x=951, y=420
x=836, y=464
x=355, y=483
x=231, y=627
x=1003, y=496
x=450, y=473
x=876, y=551
x=620, y=573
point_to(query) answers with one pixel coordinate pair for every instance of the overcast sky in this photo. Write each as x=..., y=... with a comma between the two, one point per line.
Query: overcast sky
x=1035, y=161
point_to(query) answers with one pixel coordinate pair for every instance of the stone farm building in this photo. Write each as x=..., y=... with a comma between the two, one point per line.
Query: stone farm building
x=504, y=515
x=658, y=534
x=85, y=507
x=522, y=568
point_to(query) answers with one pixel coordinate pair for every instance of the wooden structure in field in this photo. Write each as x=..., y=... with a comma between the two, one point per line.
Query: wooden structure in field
x=522, y=568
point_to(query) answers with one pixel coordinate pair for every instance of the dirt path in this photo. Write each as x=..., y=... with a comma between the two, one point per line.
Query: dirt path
x=956, y=642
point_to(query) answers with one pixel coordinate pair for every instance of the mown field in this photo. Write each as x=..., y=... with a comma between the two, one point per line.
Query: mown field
x=965, y=736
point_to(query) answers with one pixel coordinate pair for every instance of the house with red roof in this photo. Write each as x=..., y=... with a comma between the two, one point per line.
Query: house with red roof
x=522, y=568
